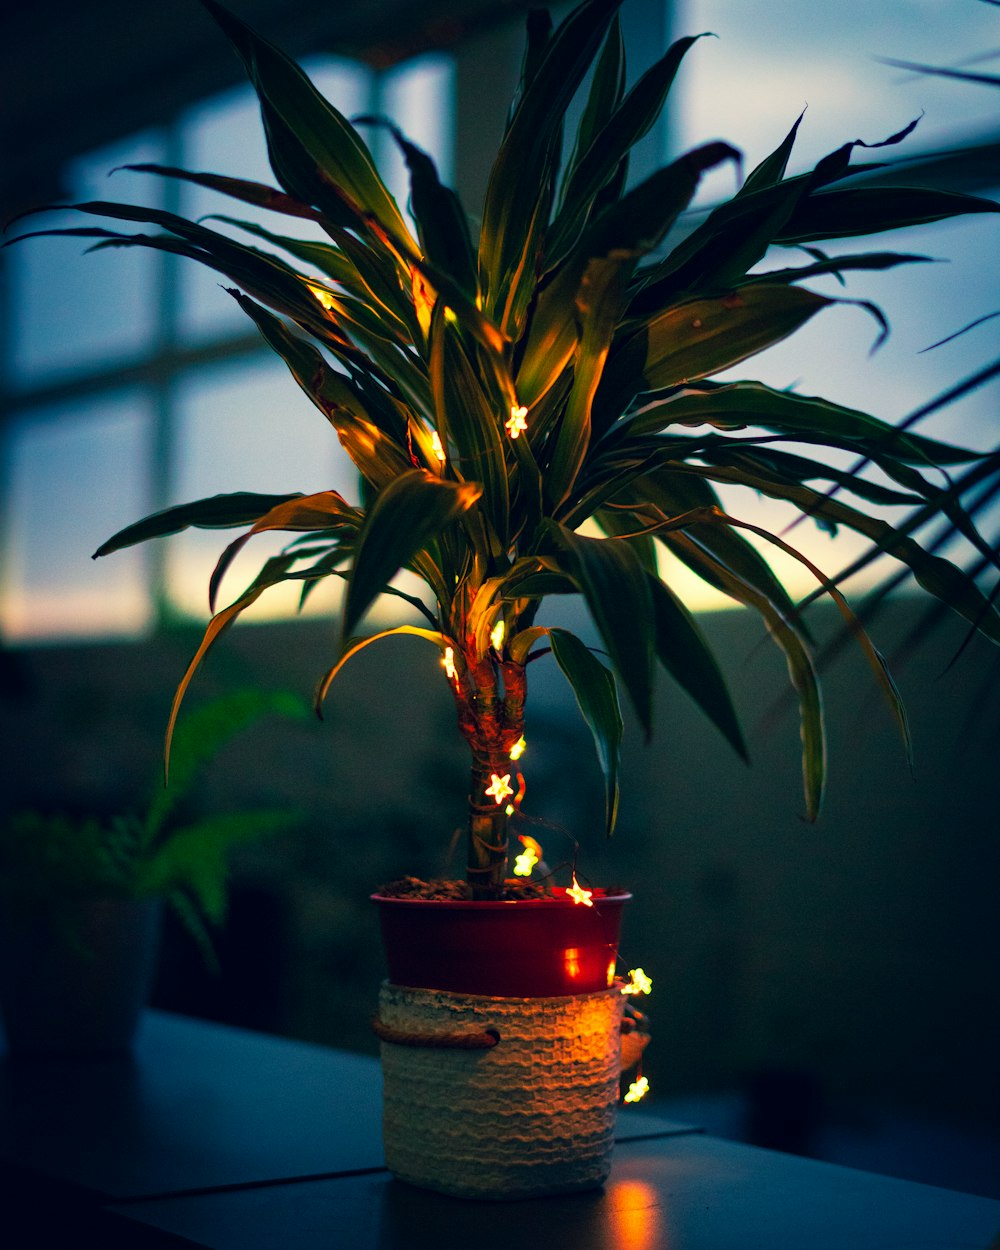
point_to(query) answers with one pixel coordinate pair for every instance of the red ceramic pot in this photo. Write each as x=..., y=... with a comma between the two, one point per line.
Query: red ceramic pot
x=523, y=948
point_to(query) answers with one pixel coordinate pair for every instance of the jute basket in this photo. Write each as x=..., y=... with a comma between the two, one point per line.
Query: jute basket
x=499, y=1097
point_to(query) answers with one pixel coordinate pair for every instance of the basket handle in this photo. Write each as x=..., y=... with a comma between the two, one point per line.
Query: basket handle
x=454, y=1041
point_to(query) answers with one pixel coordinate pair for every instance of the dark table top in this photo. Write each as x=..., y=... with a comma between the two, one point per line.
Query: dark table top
x=216, y=1137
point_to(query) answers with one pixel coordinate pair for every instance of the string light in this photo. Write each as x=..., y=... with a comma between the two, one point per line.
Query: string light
x=516, y=424
x=496, y=637
x=638, y=982
x=519, y=748
x=449, y=663
x=499, y=787
x=436, y=446
x=637, y=1090
x=578, y=894
x=524, y=862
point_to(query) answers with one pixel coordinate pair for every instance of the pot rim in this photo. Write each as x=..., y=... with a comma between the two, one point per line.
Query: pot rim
x=558, y=901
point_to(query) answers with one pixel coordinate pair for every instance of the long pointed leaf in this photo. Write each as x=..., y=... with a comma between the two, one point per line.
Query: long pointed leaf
x=402, y=518
x=597, y=697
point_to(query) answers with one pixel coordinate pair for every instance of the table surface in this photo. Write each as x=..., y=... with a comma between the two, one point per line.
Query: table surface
x=215, y=1137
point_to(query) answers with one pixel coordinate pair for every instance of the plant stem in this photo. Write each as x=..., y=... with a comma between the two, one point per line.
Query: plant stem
x=489, y=697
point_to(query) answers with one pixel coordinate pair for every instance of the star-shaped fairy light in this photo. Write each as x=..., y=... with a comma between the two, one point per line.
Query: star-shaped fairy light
x=519, y=748
x=517, y=423
x=496, y=636
x=449, y=663
x=499, y=787
x=578, y=894
x=638, y=982
x=637, y=1090
x=524, y=862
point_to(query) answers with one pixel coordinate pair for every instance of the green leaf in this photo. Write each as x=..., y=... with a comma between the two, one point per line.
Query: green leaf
x=441, y=220
x=607, y=87
x=855, y=211
x=377, y=447
x=200, y=736
x=196, y=859
x=629, y=123
x=683, y=651
x=619, y=235
x=404, y=516
x=615, y=588
x=257, y=193
x=354, y=645
x=324, y=512
x=597, y=697
x=469, y=421
x=772, y=168
x=701, y=337
x=801, y=668
x=809, y=418
x=316, y=154
x=217, y=512
x=515, y=211
x=271, y=574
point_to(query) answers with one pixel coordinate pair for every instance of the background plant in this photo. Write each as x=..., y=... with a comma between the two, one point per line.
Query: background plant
x=533, y=414
x=51, y=861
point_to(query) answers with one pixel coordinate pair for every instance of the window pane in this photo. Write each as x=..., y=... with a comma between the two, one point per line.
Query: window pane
x=74, y=476
x=225, y=136
x=246, y=427
x=769, y=63
x=748, y=86
x=419, y=97
x=73, y=309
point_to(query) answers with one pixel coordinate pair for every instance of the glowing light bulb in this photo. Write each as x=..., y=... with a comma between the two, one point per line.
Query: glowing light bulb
x=524, y=862
x=638, y=982
x=519, y=748
x=499, y=787
x=516, y=424
x=578, y=894
x=449, y=663
x=637, y=1090
x=509, y=809
x=496, y=636
x=436, y=446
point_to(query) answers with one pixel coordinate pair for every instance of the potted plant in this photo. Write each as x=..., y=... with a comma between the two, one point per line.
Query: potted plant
x=80, y=898
x=532, y=414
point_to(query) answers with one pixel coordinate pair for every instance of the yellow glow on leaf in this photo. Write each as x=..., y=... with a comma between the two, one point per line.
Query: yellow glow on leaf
x=499, y=787
x=325, y=297
x=578, y=894
x=437, y=447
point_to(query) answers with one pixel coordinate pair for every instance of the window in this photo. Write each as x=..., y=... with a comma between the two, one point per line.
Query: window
x=134, y=382
x=747, y=86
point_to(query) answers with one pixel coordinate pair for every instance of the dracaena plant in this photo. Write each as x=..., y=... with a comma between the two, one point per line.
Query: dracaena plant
x=530, y=406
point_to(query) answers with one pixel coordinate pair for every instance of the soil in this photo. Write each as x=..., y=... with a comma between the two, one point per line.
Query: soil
x=413, y=887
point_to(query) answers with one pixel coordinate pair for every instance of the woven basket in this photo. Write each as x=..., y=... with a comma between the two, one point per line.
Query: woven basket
x=532, y=1114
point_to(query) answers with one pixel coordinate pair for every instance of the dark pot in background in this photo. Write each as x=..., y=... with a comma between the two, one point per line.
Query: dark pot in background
x=525, y=948
x=79, y=996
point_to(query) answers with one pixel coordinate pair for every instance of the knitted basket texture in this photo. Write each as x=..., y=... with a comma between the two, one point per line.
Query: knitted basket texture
x=533, y=1115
